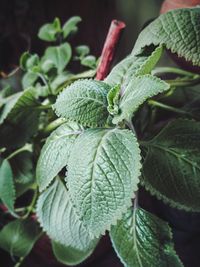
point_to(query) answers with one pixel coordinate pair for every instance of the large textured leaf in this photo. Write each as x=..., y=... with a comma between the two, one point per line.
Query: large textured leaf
x=143, y=240
x=139, y=89
x=69, y=255
x=178, y=30
x=58, y=218
x=132, y=66
x=18, y=237
x=103, y=173
x=84, y=101
x=59, y=55
x=20, y=120
x=7, y=189
x=55, y=153
x=172, y=167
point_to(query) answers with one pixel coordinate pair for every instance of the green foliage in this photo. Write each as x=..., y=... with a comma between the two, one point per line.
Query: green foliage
x=142, y=239
x=18, y=237
x=171, y=168
x=178, y=30
x=103, y=172
x=84, y=102
x=80, y=171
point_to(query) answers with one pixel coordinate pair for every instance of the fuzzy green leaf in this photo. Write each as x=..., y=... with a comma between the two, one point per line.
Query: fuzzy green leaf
x=71, y=26
x=7, y=189
x=85, y=102
x=143, y=240
x=178, y=30
x=29, y=79
x=18, y=237
x=68, y=255
x=103, y=173
x=48, y=32
x=172, y=166
x=138, y=91
x=55, y=153
x=59, y=55
x=132, y=66
x=58, y=218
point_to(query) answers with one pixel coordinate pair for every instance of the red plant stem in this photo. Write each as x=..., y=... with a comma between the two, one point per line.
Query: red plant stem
x=108, y=51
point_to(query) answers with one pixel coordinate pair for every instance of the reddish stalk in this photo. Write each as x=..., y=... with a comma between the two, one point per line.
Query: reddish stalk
x=109, y=48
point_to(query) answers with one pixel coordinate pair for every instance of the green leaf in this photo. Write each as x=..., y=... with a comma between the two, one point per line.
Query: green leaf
x=47, y=65
x=55, y=153
x=68, y=255
x=23, y=60
x=29, y=79
x=178, y=30
x=58, y=218
x=59, y=55
x=143, y=240
x=21, y=120
x=89, y=61
x=172, y=166
x=48, y=32
x=113, y=99
x=85, y=102
x=18, y=237
x=8, y=104
x=132, y=66
x=7, y=189
x=71, y=26
x=82, y=50
x=137, y=92
x=103, y=173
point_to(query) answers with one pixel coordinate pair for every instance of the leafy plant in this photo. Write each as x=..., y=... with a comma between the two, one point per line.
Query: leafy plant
x=107, y=141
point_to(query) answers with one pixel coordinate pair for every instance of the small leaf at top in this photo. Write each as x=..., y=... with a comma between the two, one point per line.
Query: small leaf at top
x=103, y=174
x=59, y=55
x=70, y=26
x=55, y=153
x=49, y=31
x=18, y=237
x=178, y=30
x=143, y=240
x=84, y=101
x=137, y=92
x=82, y=50
x=7, y=188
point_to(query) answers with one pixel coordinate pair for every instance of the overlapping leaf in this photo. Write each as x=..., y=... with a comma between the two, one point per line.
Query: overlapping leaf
x=55, y=153
x=143, y=240
x=103, y=173
x=172, y=167
x=178, y=30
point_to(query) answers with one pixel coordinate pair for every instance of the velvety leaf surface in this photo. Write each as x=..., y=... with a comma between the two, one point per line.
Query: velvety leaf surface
x=143, y=240
x=178, y=30
x=55, y=153
x=85, y=102
x=139, y=89
x=103, y=173
x=58, y=218
x=171, y=169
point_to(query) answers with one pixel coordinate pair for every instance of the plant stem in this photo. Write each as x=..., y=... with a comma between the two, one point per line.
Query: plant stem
x=18, y=264
x=108, y=51
x=173, y=70
x=184, y=82
x=53, y=125
x=167, y=107
x=26, y=147
x=32, y=204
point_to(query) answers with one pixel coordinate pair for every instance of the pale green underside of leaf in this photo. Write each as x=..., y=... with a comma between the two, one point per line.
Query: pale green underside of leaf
x=85, y=102
x=18, y=237
x=69, y=255
x=103, y=174
x=138, y=91
x=178, y=30
x=7, y=189
x=171, y=169
x=55, y=153
x=143, y=240
x=132, y=66
x=58, y=218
